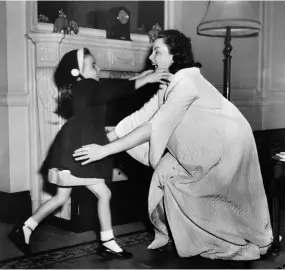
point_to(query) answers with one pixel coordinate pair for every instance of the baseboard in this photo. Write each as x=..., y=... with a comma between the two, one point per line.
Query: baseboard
x=15, y=207
x=59, y=222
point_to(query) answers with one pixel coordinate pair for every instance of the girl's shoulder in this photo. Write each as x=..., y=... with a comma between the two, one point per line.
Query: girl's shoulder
x=86, y=84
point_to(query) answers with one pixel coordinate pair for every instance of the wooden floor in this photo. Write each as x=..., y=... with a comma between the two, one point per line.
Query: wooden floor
x=48, y=237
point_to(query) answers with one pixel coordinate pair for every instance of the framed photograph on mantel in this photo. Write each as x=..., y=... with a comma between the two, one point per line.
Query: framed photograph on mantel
x=93, y=17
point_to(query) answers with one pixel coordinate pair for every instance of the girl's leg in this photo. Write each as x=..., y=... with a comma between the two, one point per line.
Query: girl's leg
x=102, y=192
x=45, y=210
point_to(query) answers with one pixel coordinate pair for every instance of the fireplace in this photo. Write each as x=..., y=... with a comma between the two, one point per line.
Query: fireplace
x=117, y=59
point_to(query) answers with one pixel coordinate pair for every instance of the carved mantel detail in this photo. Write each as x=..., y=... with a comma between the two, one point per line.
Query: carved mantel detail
x=111, y=55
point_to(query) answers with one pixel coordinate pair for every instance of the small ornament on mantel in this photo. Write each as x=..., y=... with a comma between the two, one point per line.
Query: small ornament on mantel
x=153, y=33
x=141, y=30
x=73, y=27
x=42, y=18
x=63, y=24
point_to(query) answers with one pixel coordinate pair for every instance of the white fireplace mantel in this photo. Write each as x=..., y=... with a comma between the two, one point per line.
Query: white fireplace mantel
x=111, y=55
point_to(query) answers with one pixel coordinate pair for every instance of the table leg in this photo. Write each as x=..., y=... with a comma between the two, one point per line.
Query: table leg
x=276, y=218
x=278, y=173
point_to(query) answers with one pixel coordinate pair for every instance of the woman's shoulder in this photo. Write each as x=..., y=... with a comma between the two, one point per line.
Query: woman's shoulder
x=187, y=73
x=183, y=83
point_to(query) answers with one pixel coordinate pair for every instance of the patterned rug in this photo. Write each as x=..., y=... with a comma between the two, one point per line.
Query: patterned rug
x=39, y=260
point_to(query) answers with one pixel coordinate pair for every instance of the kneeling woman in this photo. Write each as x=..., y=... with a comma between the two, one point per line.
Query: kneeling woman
x=207, y=186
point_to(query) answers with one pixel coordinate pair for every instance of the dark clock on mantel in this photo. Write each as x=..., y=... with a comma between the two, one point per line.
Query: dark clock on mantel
x=118, y=24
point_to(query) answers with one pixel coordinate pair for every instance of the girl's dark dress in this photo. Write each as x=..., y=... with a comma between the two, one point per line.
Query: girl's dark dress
x=86, y=126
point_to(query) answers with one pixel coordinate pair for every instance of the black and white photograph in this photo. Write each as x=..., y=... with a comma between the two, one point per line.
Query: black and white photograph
x=142, y=134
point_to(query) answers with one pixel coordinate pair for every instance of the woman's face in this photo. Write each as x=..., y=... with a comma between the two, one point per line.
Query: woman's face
x=90, y=69
x=160, y=57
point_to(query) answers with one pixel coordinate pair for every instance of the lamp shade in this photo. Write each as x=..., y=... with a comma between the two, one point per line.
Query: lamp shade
x=237, y=15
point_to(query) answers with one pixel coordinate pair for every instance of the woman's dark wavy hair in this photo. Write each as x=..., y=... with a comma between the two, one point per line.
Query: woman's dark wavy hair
x=64, y=82
x=181, y=48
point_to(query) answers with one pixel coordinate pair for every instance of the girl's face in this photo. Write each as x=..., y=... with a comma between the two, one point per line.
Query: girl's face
x=90, y=69
x=160, y=57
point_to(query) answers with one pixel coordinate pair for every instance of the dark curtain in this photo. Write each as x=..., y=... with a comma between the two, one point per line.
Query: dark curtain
x=150, y=13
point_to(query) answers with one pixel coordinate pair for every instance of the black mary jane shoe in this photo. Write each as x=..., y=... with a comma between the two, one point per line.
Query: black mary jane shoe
x=18, y=238
x=107, y=252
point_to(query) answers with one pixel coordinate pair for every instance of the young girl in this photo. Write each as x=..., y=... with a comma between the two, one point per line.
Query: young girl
x=77, y=77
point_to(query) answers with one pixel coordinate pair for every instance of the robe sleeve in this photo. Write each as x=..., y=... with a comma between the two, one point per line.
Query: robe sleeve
x=138, y=118
x=131, y=122
x=179, y=96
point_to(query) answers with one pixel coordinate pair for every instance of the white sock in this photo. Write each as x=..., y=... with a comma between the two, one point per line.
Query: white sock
x=105, y=236
x=29, y=226
x=30, y=222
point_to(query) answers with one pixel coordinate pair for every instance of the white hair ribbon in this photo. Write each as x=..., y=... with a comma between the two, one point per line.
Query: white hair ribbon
x=80, y=58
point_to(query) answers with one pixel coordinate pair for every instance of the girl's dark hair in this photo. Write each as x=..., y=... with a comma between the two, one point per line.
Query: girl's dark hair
x=180, y=47
x=64, y=82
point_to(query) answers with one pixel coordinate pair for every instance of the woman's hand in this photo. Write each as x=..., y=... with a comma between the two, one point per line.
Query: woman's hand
x=91, y=152
x=163, y=86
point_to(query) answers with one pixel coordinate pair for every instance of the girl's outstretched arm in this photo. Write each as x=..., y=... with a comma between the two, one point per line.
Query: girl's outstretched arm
x=160, y=76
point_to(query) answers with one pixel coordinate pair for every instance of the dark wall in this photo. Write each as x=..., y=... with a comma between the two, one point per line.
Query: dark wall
x=92, y=14
x=51, y=8
x=151, y=12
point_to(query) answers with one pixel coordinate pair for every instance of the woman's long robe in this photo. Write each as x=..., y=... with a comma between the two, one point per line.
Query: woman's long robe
x=208, y=186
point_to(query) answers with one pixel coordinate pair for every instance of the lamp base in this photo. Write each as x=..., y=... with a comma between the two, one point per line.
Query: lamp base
x=227, y=64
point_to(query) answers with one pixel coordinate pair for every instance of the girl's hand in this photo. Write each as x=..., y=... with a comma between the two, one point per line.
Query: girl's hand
x=158, y=76
x=142, y=74
x=91, y=152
